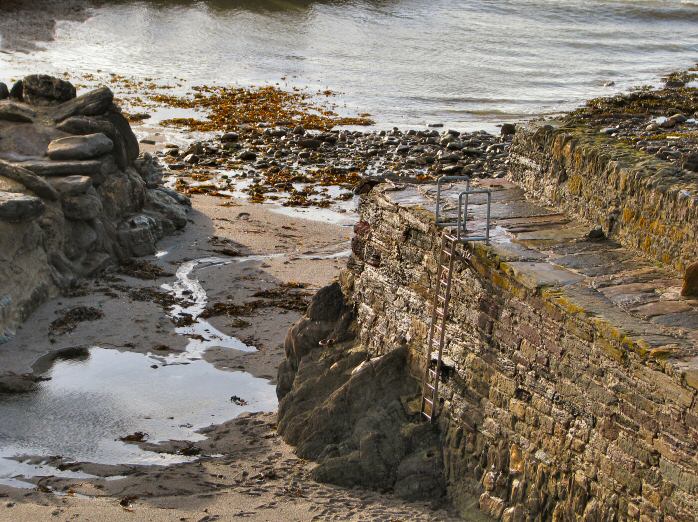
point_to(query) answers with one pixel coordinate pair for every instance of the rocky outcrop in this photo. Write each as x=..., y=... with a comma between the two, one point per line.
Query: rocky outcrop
x=74, y=195
x=356, y=416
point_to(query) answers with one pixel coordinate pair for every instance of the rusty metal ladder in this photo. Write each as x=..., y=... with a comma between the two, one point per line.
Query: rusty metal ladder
x=442, y=292
x=437, y=330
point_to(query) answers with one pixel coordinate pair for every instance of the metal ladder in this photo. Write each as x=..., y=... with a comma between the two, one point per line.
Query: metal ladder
x=442, y=292
x=437, y=330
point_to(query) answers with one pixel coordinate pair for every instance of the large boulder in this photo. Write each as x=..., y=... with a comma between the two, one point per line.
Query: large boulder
x=41, y=89
x=353, y=414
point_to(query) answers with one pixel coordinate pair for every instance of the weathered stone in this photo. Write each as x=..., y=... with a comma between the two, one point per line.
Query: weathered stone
x=138, y=235
x=83, y=125
x=63, y=168
x=93, y=103
x=150, y=170
x=4, y=91
x=19, y=207
x=122, y=126
x=13, y=111
x=167, y=206
x=71, y=185
x=41, y=89
x=85, y=147
x=82, y=207
x=30, y=180
x=690, y=281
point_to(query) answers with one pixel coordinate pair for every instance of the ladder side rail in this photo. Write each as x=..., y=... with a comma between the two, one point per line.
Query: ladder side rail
x=442, y=333
x=439, y=183
x=432, y=326
x=463, y=202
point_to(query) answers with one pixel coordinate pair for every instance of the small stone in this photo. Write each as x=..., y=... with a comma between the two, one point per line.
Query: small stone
x=41, y=89
x=508, y=129
x=80, y=147
x=247, y=155
x=435, y=125
x=13, y=111
x=690, y=281
x=191, y=159
x=299, y=130
x=608, y=130
x=310, y=143
x=230, y=137
x=16, y=207
x=4, y=91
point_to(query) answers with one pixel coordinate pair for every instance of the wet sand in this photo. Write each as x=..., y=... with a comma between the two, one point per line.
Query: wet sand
x=243, y=469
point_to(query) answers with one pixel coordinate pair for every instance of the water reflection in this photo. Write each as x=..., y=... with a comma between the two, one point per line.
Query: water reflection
x=407, y=62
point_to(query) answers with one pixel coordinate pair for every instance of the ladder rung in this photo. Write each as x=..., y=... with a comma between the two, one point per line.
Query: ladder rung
x=428, y=401
x=430, y=386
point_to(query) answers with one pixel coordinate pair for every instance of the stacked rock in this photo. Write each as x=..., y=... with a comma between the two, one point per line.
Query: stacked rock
x=74, y=194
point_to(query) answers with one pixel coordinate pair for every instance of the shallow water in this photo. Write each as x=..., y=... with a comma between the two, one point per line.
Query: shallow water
x=408, y=62
x=91, y=401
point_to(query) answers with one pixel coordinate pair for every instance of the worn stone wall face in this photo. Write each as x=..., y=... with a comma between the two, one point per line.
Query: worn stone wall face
x=547, y=415
x=641, y=201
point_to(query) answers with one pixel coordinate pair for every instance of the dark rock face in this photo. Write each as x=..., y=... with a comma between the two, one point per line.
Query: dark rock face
x=40, y=89
x=4, y=91
x=19, y=207
x=357, y=417
x=73, y=198
x=690, y=281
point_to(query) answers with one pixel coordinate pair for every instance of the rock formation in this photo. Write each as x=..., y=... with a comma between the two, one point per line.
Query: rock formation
x=357, y=416
x=75, y=196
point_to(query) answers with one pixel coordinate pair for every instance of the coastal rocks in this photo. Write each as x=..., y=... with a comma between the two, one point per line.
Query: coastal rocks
x=84, y=147
x=73, y=198
x=352, y=414
x=91, y=104
x=41, y=89
x=71, y=185
x=19, y=207
x=31, y=181
x=17, y=112
x=4, y=91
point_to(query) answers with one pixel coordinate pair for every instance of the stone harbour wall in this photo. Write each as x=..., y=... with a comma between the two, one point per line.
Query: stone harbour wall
x=75, y=195
x=557, y=404
x=643, y=202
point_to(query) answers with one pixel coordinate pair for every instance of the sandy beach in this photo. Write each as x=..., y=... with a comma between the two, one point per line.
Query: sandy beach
x=243, y=470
